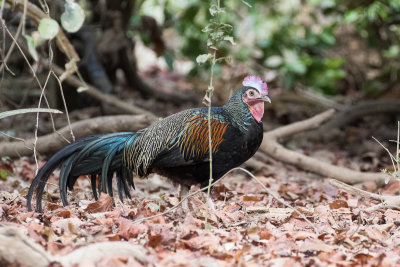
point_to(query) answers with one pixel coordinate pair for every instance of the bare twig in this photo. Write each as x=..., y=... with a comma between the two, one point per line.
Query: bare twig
x=37, y=123
x=387, y=201
x=355, y=112
x=208, y=97
x=65, y=106
x=12, y=46
x=271, y=147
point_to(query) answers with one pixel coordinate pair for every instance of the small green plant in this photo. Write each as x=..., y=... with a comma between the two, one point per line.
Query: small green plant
x=217, y=32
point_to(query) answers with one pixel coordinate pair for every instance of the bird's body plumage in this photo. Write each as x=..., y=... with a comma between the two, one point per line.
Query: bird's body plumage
x=176, y=147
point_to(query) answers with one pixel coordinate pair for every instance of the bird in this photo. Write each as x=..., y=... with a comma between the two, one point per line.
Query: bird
x=176, y=147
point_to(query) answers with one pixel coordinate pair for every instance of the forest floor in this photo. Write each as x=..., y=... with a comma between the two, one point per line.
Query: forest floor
x=248, y=226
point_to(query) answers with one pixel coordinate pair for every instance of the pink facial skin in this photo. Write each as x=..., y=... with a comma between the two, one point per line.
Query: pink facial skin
x=255, y=102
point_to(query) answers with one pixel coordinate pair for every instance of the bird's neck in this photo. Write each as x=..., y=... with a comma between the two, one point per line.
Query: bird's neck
x=240, y=113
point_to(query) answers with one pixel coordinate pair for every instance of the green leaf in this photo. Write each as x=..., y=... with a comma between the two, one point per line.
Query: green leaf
x=328, y=38
x=203, y=58
x=3, y=173
x=27, y=110
x=153, y=206
x=351, y=16
x=247, y=4
x=169, y=59
x=293, y=62
x=215, y=10
x=48, y=28
x=392, y=52
x=31, y=47
x=273, y=61
x=229, y=39
x=73, y=17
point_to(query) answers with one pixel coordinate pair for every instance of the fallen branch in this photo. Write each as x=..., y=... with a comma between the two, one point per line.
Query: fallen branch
x=387, y=201
x=271, y=147
x=354, y=113
x=52, y=142
x=17, y=248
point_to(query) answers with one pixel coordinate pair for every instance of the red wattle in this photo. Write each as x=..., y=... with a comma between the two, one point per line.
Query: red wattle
x=257, y=110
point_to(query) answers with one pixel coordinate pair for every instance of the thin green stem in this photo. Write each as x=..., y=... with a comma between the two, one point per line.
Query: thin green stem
x=210, y=93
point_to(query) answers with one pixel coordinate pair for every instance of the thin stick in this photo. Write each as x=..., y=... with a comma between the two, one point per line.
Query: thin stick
x=37, y=124
x=392, y=158
x=65, y=107
x=387, y=201
x=252, y=176
x=210, y=93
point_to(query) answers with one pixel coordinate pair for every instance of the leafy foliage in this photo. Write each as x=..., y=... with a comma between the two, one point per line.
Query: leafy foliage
x=291, y=39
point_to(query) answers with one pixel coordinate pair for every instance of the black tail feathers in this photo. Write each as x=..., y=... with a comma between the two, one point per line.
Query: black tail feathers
x=99, y=156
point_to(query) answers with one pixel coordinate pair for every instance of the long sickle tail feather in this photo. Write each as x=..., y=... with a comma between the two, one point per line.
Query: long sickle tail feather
x=98, y=156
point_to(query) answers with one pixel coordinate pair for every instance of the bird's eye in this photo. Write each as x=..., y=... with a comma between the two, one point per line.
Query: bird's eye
x=251, y=93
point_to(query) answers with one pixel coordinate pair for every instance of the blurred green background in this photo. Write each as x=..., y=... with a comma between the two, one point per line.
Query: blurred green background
x=331, y=46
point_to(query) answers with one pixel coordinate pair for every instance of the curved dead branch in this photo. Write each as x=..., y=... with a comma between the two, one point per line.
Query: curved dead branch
x=272, y=147
x=52, y=142
x=354, y=113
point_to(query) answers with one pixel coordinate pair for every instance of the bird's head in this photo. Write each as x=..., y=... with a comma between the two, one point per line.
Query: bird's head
x=254, y=95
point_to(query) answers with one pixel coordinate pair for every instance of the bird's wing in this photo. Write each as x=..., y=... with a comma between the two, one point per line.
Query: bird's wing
x=193, y=142
x=176, y=140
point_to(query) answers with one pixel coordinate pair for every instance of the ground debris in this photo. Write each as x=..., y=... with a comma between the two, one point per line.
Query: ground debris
x=247, y=227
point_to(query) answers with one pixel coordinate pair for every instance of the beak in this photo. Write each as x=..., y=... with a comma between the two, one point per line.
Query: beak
x=266, y=98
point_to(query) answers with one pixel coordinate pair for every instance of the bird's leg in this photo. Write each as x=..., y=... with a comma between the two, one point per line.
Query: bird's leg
x=183, y=192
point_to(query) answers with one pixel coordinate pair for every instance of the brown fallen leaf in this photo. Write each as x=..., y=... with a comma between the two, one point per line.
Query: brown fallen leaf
x=337, y=204
x=207, y=241
x=278, y=215
x=263, y=234
x=391, y=188
x=393, y=215
x=64, y=214
x=68, y=225
x=315, y=245
x=105, y=203
x=251, y=198
x=128, y=230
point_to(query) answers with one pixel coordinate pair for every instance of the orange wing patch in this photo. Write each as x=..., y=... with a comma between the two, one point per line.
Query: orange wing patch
x=194, y=141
